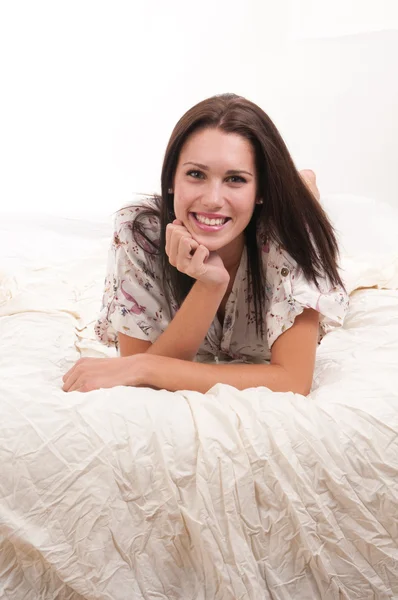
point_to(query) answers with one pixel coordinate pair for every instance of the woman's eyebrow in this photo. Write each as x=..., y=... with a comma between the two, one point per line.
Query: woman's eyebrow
x=204, y=167
x=229, y=172
x=236, y=171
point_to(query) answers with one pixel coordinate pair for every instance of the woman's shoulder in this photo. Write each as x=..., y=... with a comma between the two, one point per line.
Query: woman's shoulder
x=139, y=222
x=276, y=256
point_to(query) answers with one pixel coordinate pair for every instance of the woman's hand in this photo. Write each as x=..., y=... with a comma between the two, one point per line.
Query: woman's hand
x=90, y=374
x=192, y=258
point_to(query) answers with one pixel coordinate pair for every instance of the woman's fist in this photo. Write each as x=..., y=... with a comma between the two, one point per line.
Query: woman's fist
x=192, y=258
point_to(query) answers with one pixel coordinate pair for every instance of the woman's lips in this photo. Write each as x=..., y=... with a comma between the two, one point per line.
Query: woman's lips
x=205, y=227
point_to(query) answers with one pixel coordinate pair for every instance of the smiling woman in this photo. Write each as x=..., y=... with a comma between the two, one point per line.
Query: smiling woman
x=235, y=262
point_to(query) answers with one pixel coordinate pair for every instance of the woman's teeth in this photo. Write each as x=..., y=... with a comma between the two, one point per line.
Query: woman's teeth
x=208, y=221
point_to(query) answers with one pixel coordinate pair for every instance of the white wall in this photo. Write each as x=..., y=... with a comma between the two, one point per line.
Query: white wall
x=91, y=91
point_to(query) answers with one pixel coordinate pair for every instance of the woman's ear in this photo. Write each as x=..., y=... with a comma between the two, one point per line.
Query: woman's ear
x=259, y=201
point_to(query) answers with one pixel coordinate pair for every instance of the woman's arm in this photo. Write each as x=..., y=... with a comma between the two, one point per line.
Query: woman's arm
x=291, y=370
x=190, y=325
x=186, y=331
x=162, y=372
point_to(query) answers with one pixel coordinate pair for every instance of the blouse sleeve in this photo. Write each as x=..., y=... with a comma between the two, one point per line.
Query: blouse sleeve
x=289, y=293
x=133, y=301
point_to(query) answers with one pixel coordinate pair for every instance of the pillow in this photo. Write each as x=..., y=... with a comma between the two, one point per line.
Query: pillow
x=366, y=226
x=48, y=262
x=366, y=230
x=8, y=287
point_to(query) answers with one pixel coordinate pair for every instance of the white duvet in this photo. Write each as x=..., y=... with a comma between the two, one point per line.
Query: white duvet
x=127, y=493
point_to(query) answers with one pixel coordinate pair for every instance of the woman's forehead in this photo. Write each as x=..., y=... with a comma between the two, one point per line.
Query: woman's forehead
x=214, y=147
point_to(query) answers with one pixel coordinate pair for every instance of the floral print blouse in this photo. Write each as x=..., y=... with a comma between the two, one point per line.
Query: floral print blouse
x=134, y=302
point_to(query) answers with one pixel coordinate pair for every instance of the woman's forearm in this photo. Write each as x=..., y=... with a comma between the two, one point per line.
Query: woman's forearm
x=172, y=374
x=188, y=329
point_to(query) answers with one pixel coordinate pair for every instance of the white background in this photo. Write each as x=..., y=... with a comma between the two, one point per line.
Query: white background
x=90, y=91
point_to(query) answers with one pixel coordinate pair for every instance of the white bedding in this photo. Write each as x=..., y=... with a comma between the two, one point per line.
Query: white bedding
x=128, y=493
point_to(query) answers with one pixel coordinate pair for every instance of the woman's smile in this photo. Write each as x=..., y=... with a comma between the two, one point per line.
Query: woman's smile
x=209, y=222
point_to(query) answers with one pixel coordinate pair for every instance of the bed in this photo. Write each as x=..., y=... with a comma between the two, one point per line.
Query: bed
x=130, y=493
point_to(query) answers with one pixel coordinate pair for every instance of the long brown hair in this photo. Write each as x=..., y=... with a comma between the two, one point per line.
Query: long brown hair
x=290, y=215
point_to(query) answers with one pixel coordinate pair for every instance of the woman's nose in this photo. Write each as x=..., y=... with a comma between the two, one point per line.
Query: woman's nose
x=213, y=197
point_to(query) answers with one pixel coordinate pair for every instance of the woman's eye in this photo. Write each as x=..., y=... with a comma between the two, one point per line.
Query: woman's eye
x=195, y=174
x=237, y=179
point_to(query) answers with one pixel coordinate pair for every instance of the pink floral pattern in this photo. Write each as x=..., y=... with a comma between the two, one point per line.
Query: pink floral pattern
x=134, y=302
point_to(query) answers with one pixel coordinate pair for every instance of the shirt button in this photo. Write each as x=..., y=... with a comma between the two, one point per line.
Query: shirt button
x=284, y=272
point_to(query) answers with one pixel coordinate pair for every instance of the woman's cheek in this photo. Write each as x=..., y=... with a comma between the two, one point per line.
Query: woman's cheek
x=181, y=210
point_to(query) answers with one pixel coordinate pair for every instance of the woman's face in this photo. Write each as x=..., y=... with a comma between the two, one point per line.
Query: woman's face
x=215, y=188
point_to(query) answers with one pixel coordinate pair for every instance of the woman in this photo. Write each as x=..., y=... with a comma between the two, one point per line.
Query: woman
x=230, y=276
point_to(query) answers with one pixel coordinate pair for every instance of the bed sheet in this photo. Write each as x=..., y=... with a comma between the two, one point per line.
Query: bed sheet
x=136, y=493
